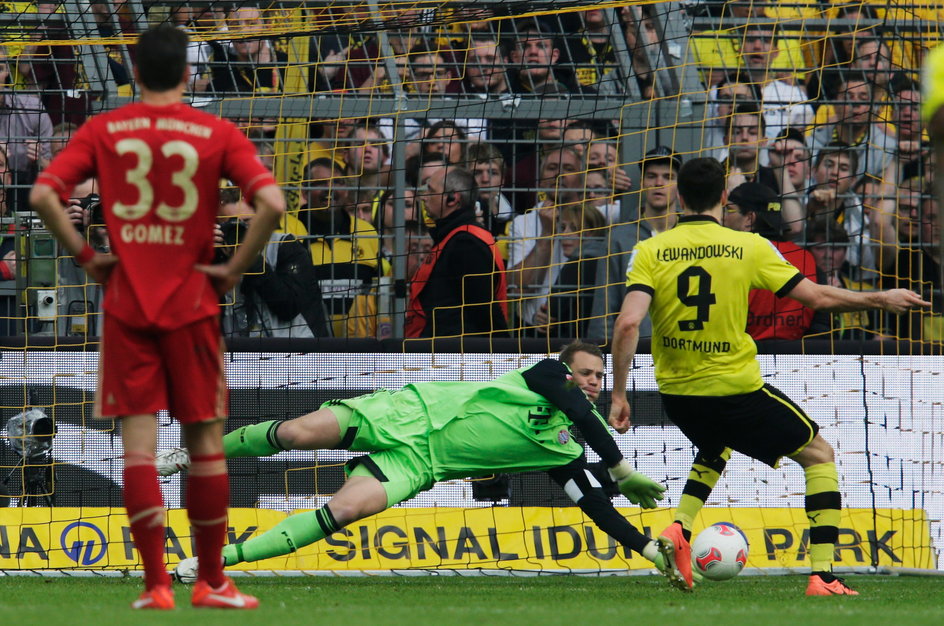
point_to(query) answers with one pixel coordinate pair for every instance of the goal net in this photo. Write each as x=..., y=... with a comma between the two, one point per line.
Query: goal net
x=553, y=106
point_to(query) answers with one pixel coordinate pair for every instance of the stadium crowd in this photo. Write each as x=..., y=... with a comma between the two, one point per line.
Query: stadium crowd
x=524, y=227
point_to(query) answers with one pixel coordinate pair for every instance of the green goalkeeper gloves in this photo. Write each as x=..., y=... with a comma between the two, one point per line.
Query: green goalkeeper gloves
x=639, y=488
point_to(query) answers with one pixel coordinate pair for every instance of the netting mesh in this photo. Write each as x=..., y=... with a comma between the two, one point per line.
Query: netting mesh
x=572, y=121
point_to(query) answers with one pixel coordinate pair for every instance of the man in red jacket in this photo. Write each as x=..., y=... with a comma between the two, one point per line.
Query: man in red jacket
x=753, y=207
x=460, y=290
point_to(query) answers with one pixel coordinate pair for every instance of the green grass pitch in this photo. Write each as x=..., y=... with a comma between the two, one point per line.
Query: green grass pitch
x=483, y=601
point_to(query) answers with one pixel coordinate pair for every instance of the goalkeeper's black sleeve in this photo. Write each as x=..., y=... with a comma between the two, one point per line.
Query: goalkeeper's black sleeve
x=579, y=483
x=552, y=379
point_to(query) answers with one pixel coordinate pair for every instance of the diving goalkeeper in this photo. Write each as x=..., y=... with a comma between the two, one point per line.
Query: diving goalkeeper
x=429, y=432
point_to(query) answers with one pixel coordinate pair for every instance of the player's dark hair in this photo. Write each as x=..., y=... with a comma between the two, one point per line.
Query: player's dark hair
x=567, y=352
x=161, y=57
x=700, y=184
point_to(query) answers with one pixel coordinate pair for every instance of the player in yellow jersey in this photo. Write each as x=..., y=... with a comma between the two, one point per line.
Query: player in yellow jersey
x=694, y=281
x=932, y=112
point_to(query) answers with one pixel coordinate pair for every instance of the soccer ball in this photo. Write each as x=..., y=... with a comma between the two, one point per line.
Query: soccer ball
x=720, y=551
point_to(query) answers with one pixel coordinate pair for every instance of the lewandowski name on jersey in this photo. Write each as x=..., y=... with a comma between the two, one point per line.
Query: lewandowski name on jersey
x=700, y=252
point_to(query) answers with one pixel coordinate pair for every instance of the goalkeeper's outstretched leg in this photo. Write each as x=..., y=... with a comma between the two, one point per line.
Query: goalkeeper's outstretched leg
x=318, y=430
x=362, y=495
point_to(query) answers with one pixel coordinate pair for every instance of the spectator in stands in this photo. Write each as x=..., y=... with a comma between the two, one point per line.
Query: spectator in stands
x=790, y=153
x=831, y=198
x=754, y=208
x=871, y=59
x=448, y=138
x=25, y=130
x=642, y=41
x=535, y=54
x=6, y=179
x=568, y=308
x=344, y=249
x=603, y=154
x=735, y=89
x=264, y=140
x=590, y=50
x=429, y=71
x=419, y=244
x=856, y=125
x=784, y=104
x=579, y=134
x=363, y=203
x=525, y=155
x=53, y=71
x=909, y=154
x=110, y=25
x=79, y=298
x=906, y=116
x=430, y=76
x=828, y=242
x=486, y=66
x=839, y=46
x=460, y=291
x=534, y=253
x=910, y=252
x=488, y=166
x=199, y=53
x=244, y=65
x=61, y=133
x=598, y=193
x=7, y=243
x=367, y=64
x=746, y=137
x=658, y=212
x=385, y=223
x=365, y=153
x=279, y=295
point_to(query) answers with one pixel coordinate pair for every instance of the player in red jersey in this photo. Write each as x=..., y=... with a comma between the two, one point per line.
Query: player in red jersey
x=159, y=163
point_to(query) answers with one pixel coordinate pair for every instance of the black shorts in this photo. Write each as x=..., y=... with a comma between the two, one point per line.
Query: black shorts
x=764, y=424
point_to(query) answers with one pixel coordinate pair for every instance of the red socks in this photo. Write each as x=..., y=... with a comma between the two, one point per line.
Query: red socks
x=145, y=507
x=207, y=504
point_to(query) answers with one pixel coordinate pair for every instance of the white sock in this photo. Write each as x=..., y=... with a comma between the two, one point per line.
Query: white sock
x=651, y=551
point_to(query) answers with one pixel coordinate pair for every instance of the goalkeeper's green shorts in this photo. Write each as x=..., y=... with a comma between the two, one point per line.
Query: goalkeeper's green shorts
x=394, y=428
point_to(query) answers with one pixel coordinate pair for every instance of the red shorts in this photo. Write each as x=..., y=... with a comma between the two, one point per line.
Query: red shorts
x=141, y=371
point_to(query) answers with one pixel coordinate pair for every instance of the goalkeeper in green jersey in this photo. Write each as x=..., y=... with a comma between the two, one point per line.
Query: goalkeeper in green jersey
x=693, y=282
x=428, y=432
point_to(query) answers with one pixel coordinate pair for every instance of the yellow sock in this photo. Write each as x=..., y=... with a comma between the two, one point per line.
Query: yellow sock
x=823, y=506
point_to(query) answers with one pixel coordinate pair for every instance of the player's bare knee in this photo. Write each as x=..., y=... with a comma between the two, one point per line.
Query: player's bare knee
x=312, y=431
x=347, y=510
x=342, y=512
x=818, y=451
x=289, y=434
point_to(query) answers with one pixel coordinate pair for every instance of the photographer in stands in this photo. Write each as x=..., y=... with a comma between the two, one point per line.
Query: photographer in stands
x=279, y=295
x=79, y=297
